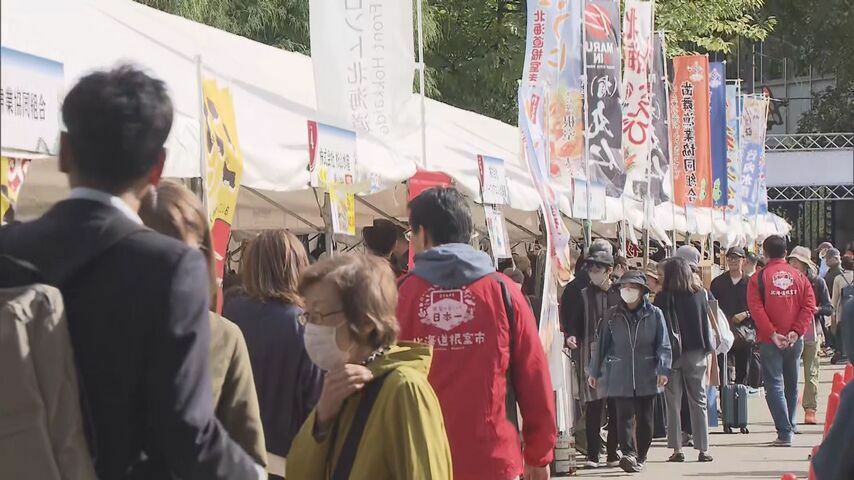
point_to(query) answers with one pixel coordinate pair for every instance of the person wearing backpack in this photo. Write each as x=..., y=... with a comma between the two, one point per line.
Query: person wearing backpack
x=485, y=341
x=843, y=290
x=782, y=304
x=377, y=416
x=136, y=301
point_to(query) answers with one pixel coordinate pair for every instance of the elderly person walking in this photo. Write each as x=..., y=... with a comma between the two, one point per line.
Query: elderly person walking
x=631, y=365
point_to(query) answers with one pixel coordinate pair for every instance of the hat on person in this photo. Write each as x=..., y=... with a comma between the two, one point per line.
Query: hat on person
x=735, y=251
x=803, y=255
x=652, y=272
x=634, y=277
x=689, y=253
x=825, y=245
x=832, y=253
x=601, y=257
x=600, y=245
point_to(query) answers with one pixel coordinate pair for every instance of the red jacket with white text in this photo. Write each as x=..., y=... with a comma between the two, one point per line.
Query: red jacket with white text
x=453, y=300
x=789, y=302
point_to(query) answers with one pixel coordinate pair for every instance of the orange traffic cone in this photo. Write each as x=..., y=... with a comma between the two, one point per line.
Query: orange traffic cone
x=849, y=373
x=789, y=476
x=838, y=384
x=832, y=406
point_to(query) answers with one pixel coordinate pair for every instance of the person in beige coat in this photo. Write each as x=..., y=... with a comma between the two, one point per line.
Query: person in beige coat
x=173, y=210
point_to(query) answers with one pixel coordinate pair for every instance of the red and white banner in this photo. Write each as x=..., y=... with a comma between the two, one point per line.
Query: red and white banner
x=689, y=131
x=637, y=112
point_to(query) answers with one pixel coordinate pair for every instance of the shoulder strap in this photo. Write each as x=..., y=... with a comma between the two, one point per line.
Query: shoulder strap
x=510, y=394
x=508, y=305
x=403, y=279
x=760, y=281
x=347, y=457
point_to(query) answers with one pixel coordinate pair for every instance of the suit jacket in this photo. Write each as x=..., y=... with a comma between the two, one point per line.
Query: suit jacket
x=137, y=309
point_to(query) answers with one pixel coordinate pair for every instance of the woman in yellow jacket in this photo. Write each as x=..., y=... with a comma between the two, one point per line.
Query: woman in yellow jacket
x=377, y=417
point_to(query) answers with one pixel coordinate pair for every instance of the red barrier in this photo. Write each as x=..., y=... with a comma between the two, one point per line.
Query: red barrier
x=838, y=383
x=789, y=476
x=849, y=373
x=832, y=406
x=812, y=457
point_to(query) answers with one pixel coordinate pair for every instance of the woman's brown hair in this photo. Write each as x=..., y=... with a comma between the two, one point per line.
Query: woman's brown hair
x=173, y=210
x=272, y=266
x=368, y=294
x=678, y=277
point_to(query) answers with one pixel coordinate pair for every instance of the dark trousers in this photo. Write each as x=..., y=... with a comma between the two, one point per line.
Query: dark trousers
x=593, y=426
x=634, y=425
x=741, y=353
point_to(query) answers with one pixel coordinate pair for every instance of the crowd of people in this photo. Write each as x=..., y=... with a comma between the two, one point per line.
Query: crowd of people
x=354, y=366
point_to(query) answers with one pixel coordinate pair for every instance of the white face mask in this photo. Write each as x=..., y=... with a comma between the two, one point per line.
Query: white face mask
x=630, y=295
x=598, y=278
x=321, y=345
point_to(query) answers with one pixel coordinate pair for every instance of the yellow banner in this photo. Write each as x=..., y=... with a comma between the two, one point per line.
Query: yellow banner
x=224, y=165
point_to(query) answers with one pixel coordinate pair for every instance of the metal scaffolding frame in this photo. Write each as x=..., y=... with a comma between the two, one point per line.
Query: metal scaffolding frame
x=809, y=141
x=811, y=193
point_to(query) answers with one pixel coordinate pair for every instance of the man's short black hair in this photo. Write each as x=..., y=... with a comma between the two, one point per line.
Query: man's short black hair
x=117, y=123
x=847, y=263
x=774, y=246
x=444, y=213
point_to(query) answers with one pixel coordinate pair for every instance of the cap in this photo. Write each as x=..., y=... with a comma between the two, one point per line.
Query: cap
x=802, y=254
x=633, y=277
x=651, y=272
x=735, y=251
x=825, y=245
x=689, y=253
x=832, y=253
x=601, y=257
x=600, y=245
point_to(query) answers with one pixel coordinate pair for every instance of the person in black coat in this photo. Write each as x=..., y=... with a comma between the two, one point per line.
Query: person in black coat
x=136, y=301
x=267, y=312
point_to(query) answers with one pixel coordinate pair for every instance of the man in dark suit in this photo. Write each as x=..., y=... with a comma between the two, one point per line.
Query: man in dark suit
x=136, y=301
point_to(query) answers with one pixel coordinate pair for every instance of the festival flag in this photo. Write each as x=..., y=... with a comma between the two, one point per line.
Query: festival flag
x=637, y=114
x=733, y=161
x=718, y=131
x=689, y=131
x=224, y=168
x=363, y=55
x=660, y=155
x=753, y=125
x=604, y=109
x=13, y=171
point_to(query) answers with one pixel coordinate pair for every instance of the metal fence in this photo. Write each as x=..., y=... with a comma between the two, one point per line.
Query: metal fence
x=810, y=141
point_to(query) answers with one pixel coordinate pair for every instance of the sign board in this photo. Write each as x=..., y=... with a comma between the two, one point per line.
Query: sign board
x=331, y=155
x=30, y=91
x=498, y=238
x=493, y=180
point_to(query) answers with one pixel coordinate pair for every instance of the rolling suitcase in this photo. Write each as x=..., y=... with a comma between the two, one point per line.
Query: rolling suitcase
x=734, y=407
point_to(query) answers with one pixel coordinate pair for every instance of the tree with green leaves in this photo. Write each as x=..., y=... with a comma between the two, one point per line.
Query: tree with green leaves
x=474, y=49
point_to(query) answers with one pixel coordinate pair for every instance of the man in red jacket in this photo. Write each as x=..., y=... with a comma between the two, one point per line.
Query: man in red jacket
x=483, y=334
x=782, y=307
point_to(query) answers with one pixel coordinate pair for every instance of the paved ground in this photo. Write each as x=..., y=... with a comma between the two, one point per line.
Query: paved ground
x=739, y=456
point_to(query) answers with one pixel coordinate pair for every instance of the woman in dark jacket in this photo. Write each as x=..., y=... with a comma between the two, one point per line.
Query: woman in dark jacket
x=631, y=365
x=686, y=313
x=267, y=313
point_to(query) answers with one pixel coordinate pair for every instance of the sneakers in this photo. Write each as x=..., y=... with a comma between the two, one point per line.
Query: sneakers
x=591, y=463
x=781, y=442
x=677, y=457
x=809, y=417
x=704, y=457
x=630, y=465
x=613, y=462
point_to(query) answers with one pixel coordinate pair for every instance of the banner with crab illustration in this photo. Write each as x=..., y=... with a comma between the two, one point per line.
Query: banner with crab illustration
x=689, y=132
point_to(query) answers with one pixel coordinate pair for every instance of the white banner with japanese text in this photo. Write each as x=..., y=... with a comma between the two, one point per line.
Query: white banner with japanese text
x=364, y=63
x=493, y=180
x=498, y=239
x=637, y=114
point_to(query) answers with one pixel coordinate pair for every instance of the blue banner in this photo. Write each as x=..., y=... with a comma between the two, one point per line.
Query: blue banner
x=733, y=161
x=753, y=118
x=717, y=85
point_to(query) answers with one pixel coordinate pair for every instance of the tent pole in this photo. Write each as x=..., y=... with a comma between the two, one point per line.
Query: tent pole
x=587, y=227
x=421, y=68
x=520, y=227
x=381, y=213
x=282, y=208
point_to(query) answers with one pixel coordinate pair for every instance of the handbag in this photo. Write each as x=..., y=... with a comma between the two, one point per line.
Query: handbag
x=745, y=331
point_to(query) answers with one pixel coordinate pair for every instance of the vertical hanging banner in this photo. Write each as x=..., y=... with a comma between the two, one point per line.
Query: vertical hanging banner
x=553, y=61
x=331, y=155
x=498, y=239
x=718, y=132
x=13, y=171
x=753, y=126
x=224, y=163
x=493, y=180
x=689, y=131
x=363, y=55
x=531, y=123
x=604, y=109
x=660, y=155
x=733, y=160
x=637, y=112
x=30, y=95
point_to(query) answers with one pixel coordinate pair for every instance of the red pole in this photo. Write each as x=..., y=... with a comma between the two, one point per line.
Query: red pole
x=838, y=383
x=832, y=406
x=849, y=373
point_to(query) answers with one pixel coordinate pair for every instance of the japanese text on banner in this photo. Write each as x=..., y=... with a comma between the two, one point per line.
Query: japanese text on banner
x=733, y=158
x=753, y=127
x=637, y=113
x=660, y=155
x=720, y=181
x=689, y=127
x=493, y=180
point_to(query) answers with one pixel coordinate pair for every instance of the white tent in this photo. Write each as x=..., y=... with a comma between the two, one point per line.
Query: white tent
x=273, y=92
